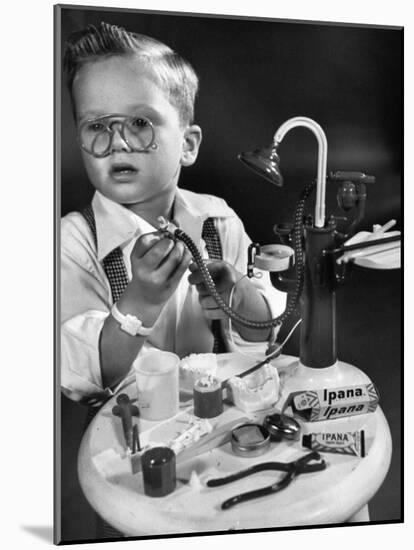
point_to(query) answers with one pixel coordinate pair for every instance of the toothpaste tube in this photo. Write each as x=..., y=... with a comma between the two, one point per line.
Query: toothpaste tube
x=195, y=431
x=330, y=403
x=346, y=443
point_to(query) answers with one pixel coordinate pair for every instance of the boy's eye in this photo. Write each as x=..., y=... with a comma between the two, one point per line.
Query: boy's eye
x=95, y=127
x=139, y=122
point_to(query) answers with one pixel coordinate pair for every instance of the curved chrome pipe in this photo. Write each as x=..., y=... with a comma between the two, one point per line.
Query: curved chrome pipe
x=322, y=159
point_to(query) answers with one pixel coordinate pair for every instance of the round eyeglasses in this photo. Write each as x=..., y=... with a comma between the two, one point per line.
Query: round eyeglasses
x=96, y=135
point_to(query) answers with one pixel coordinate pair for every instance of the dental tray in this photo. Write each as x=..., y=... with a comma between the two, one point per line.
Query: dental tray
x=113, y=460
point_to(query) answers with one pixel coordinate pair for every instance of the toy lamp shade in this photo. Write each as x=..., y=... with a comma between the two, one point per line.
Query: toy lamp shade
x=264, y=162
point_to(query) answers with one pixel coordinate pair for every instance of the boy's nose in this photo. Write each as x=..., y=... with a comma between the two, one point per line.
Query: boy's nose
x=117, y=142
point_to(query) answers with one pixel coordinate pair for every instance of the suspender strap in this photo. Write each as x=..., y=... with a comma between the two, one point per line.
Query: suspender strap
x=211, y=237
x=116, y=272
x=113, y=263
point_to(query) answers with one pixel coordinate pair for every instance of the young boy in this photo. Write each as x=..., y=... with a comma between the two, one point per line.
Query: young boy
x=133, y=100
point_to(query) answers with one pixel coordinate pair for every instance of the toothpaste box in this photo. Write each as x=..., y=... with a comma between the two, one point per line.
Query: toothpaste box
x=330, y=403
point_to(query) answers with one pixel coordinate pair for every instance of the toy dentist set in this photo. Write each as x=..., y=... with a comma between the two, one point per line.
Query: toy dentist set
x=249, y=411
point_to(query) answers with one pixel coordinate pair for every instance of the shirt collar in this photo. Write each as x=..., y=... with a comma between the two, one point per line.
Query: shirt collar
x=116, y=225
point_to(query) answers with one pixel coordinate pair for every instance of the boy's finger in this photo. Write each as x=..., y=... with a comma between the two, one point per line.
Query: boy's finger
x=145, y=243
x=194, y=267
x=215, y=266
x=202, y=290
x=195, y=278
x=158, y=253
x=178, y=268
x=171, y=260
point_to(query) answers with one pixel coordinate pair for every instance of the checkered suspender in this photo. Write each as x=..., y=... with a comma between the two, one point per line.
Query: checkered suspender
x=116, y=272
x=113, y=263
x=211, y=237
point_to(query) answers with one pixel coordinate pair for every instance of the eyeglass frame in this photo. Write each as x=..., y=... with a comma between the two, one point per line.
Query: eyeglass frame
x=152, y=144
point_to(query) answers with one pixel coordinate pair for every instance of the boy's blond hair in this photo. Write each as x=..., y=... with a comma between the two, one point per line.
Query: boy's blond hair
x=172, y=73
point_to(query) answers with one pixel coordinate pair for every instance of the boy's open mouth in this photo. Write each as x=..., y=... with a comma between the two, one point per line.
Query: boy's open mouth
x=122, y=169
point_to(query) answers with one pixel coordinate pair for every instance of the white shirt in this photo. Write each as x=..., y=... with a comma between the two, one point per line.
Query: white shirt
x=86, y=297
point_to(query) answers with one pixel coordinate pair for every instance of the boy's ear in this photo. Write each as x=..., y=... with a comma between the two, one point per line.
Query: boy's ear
x=191, y=143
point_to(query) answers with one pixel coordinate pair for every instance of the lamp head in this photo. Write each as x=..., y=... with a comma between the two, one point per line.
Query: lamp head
x=264, y=162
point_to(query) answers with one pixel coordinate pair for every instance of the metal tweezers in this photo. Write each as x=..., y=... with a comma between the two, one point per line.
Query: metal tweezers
x=311, y=462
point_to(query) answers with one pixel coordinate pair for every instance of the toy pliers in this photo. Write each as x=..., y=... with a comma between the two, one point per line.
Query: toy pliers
x=311, y=462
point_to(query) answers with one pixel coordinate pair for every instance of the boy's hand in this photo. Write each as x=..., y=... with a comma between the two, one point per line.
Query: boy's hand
x=224, y=276
x=157, y=265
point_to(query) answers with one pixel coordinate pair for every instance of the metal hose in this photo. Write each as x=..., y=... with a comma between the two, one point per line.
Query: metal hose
x=293, y=297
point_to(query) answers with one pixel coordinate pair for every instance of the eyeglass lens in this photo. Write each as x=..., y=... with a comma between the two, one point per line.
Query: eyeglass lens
x=96, y=136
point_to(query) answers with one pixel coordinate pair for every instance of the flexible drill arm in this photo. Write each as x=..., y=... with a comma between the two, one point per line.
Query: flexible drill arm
x=173, y=232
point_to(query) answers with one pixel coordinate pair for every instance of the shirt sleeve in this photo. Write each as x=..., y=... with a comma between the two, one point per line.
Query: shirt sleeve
x=81, y=376
x=235, y=243
x=84, y=308
x=80, y=373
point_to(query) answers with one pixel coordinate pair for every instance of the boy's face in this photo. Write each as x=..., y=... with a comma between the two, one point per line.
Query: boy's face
x=121, y=85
